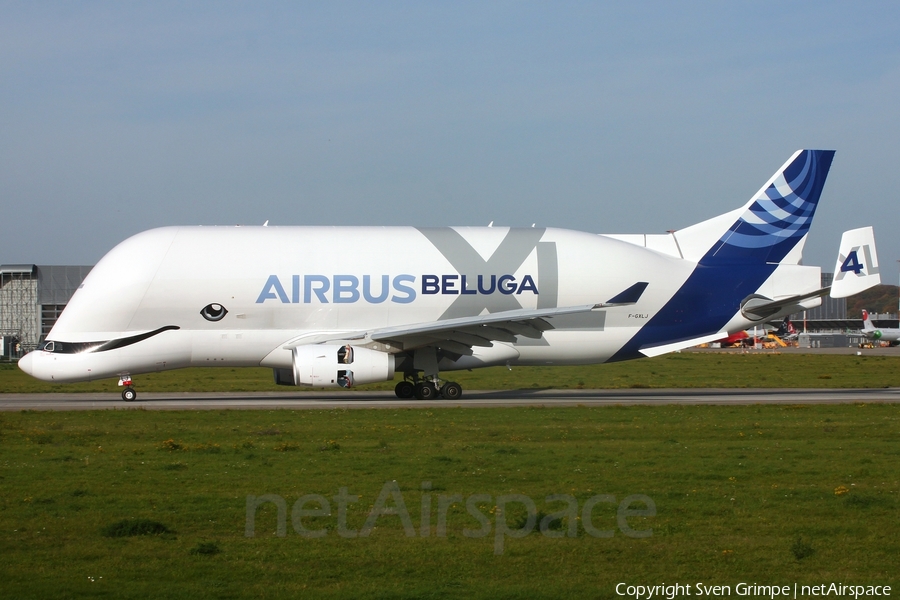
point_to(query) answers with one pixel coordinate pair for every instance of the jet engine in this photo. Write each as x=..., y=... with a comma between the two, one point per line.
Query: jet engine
x=344, y=366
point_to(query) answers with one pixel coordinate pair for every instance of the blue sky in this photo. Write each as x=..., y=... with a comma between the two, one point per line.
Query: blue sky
x=605, y=117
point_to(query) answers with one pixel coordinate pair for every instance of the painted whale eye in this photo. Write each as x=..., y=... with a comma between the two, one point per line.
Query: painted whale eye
x=213, y=312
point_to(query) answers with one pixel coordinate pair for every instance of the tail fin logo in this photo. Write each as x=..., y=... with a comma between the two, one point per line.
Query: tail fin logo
x=784, y=210
x=858, y=257
x=852, y=264
x=778, y=216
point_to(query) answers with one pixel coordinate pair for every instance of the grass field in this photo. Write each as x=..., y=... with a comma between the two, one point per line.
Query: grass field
x=710, y=370
x=766, y=494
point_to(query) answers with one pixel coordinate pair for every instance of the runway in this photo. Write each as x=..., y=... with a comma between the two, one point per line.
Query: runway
x=470, y=399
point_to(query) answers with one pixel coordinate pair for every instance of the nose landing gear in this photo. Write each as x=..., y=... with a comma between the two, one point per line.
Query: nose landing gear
x=128, y=394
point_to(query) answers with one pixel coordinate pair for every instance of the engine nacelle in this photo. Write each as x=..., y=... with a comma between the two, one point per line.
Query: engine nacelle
x=340, y=366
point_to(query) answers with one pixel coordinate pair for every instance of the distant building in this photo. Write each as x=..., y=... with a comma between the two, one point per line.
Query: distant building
x=831, y=316
x=831, y=309
x=830, y=340
x=31, y=300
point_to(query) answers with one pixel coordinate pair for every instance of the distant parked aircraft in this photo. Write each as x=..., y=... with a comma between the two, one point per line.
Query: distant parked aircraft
x=786, y=331
x=884, y=334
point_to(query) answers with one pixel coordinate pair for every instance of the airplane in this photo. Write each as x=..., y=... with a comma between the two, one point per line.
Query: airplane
x=786, y=331
x=884, y=334
x=739, y=338
x=346, y=306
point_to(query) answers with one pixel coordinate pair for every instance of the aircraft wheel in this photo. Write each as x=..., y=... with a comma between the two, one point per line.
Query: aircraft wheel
x=426, y=391
x=451, y=390
x=128, y=394
x=405, y=389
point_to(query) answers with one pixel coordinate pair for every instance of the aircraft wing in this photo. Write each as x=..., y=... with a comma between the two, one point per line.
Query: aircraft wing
x=458, y=336
x=461, y=334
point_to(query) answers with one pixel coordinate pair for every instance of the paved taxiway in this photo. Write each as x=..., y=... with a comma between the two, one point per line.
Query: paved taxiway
x=472, y=399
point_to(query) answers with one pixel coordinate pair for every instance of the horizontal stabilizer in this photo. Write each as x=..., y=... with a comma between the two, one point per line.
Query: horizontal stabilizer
x=666, y=348
x=856, y=268
x=759, y=308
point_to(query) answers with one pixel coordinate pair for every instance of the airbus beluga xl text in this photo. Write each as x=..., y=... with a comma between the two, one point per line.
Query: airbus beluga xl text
x=343, y=306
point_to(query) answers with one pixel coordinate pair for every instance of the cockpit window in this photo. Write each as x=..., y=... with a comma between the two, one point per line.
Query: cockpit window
x=70, y=347
x=58, y=347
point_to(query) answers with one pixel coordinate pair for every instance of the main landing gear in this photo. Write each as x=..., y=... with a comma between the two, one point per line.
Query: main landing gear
x=128, y=394
x=425, y=361
x=427, y=390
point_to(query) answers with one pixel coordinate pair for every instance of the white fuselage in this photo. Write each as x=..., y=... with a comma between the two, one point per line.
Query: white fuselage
x=281, y=284
x=284, y=286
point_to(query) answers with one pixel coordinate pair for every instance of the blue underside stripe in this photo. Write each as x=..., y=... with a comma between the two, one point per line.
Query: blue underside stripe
x=742, y=260
x=705, y=303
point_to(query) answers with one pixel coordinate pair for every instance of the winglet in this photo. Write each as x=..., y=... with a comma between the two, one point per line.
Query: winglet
x=629, y=296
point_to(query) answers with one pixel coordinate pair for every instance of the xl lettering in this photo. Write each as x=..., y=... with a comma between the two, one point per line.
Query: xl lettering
x=481, y=275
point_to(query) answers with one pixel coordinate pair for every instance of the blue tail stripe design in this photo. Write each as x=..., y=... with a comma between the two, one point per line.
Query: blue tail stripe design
x=742, y=259
x=779, y=217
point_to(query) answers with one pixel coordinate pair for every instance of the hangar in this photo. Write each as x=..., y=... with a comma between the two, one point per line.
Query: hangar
x=31, y=299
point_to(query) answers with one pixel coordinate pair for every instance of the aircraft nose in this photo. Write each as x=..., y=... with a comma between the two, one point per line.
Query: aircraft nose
x=26, y=363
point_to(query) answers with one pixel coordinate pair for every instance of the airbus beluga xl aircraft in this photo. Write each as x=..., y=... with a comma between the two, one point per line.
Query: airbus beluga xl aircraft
x=344, y=306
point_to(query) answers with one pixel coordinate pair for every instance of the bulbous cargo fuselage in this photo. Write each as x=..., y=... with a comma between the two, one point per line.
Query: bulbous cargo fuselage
x=241, y=296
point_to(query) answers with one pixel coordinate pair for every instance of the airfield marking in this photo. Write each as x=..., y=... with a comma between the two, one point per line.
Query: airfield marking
x=472, y=399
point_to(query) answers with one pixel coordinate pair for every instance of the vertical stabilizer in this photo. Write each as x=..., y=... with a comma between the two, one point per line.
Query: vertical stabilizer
x=736, y=254
x=777, y=218
x=856, y=268
x=867, y=321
